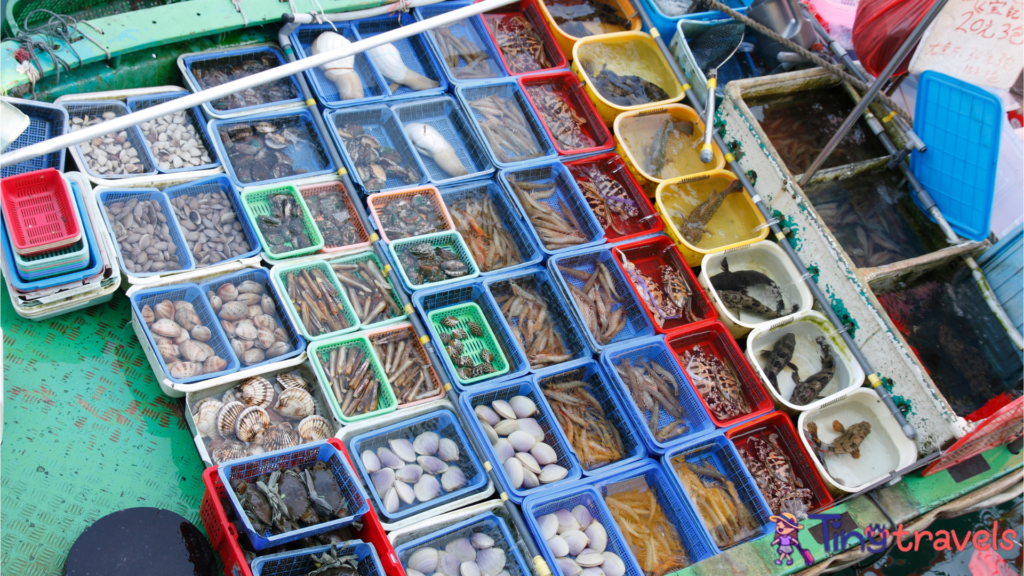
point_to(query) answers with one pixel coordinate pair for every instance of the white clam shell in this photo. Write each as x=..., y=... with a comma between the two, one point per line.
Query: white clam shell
x=426, y=444
x=514, y=470
x=530, y=479
x=462, y=549
x=504, y=409
x=482, y=541
x=521, y=441
x=447, y=450
x=432, y=464
x=576, y=540
x=409, y=473
x=388, y=458
x=383, y=480
x=427, y=488
x=548, y=525
x=485, y=414
x=522, y=406
x=448, y=564
x=589, y=558
x=583, y=516
x=568, y=566
x=566, y=521
x=405, y=493
x=491, y=561
x=391, y=501
x=411, y=572
x=533, y=427
x=469, y=568
x=489, y=430
x=552, y=473
x=529, y=462
x=559, y=547
x=370, y=461
x=403, y=449
x=613, y=565
x=503, y=450
x=506, y=427
x=543, y=454
x=597, y=535
x=586, y=572
x=453, y=479
x=423, y=560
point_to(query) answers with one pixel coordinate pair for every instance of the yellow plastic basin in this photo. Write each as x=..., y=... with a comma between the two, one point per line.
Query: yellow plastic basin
x=567, y=41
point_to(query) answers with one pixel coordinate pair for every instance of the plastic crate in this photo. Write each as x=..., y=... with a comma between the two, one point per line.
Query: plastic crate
x=39, y=212
x=638, y=324
x=553, y=435
x=192, y=294
x=540, y=280
x=386, y=398
x=721, y=344
x=262, y=276
x=108, y=197
x=310, y=155
x=527, y=9
x=380, y=122
x=418, y=350
x=327, y=94
x=372, y=256
x=336, y=187
x=414, y=50
x=473, y=346
x=378, y=202
x=666, y=24
x=650, y=475
x=566, y=194
x=444, y=424
x=446, y=116
x=486, y=523
x=602, y=389
x=45, y=121
x=257, y=203
x=719, y=452
x=194, y=115
x=512, y=94
x=451, y=240
x=567, y=87
x=426, y=301
x=296, y=562
x=138, y=141
x=471, y=30
x=279, y=276
x=64, y=260
x=214, y=184
x=250, y=468
x=649, y=257
x=226, y=59
x=647, y=220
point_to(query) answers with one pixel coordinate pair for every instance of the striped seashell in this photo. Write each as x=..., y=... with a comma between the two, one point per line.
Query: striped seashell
x=226, y=417
x=449, y=322
x=292, y=380
x=252, y=424
x=446, y=338
x=280, y=436
x=460, y=334
x=295, y=403
x=314, y=428
x=475, y=329
x=256, y=391
x=486, y=355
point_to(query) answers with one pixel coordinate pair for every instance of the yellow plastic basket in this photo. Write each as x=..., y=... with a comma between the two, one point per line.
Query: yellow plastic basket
x=567, y=41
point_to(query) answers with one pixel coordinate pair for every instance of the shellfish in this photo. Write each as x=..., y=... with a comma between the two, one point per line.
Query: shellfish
x=388, y=60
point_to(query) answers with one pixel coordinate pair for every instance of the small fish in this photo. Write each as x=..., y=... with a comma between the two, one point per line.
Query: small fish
x=779, y=357
x=848, y=442
x=740, y=302
x=807, y=390
x=740, y=280
x=695, y=225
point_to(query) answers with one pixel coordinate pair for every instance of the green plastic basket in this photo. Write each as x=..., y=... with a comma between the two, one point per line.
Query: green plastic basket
x=370, y=255
x=257, y=204
x=279, y=276
x=447, y=239
x=385, y=401
x=470, y=312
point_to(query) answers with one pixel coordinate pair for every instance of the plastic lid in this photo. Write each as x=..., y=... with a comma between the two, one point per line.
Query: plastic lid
x=961, y=124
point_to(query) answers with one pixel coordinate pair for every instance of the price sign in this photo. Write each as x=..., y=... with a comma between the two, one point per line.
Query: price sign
x=977, y=41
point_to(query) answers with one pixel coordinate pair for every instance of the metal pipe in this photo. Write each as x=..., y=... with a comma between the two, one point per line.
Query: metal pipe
x=210, y=94
x=909, y=43
x=819, y=297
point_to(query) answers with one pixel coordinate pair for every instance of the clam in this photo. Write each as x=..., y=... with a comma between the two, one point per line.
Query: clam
x=482, y=541
x=423, y=560
x=205, y=416
x=228, y=327
x=411, y=572
x=233, y=311
x=370, y=461
x=383, y=480
x=566, y=521
x=265, y=322
x=453, y=479
x=612, y=565
x=250, y=287
x=583, y=516
x=252, y=356
x=295, y=403
x=506, y=427
x=250, y=299
x=504, y=450
x=267, y=304
x=462, y=549
x=426, y=444
x=514, y=470
x=491, y=434
x=246, y=330
x=409, y=473
x=447, y=450
x=543, y=454
x=576, y=541
x=427, y=488
x=529, y=462
x=568, y=566
x=558, y=546
x=257, y=391
x=265, y=338
x=432, y=465
x=165, y=327
x=552, y=473
x=388, y=458
x=201, y=333
x=403, y=449
x=183, y=305
x=187, y=319
x=503, y=409
x=597, y=535
x=164, y=310
x=278, y=348
x=214, y=364
x=168, y=351
x=227, y=292
x=530, y=479
x=252, y=424
x=448, y=564
x=215, y=301
x=148, y=317
x=405, y=492
x=589, y=558
x=314, y=427
x=586, y=572
x=533, y=427
x=469, y=568
x=548, y=524
x=522, y=406
x=485, y=414
x=491, y=561
x=522, y=441
x=391, y=502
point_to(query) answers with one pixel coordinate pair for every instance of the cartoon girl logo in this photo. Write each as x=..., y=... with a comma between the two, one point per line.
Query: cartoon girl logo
x=786, y=540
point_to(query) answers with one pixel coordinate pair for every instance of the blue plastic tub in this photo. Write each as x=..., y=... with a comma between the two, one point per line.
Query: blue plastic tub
x=638, y=323
x=468, y=30
x=540, y=280
x=666, y=24
x=602, y=389
x=138, y=141
x=529, y=250
x=280, y=315
x=380, y=122
x=512, y=94
x=255, y=466
x=446, y=116
x=553, y=435
x=655, y=349
x=718, y=452
x=311, y=155
x=444, y=424
x=473, y=291
x=213, y=184
x=195, y=116
x=193, y=294
x=225, y=59
x=299, y=562
x=566, y=194
x=45, y=121
x=486, y=523
x=108, y=197
x=414, y=50
x=374, y=86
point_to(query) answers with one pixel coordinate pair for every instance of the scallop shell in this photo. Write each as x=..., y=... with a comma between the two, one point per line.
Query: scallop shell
x=295, y=403
x=226, y=417
x=281, y=436
x=514, y=470
x=166, y=327
x=181, y=370
x=292, y=380
x=548, y=525
x=426, y=444
x=226, y=451
x=252, y=356
x=597, y=535
x=482, y=541
x=533, y=427
x=252, y=424
x=201, y=333
x=409, y=473
x=558, y=546
x=543, y=454
x=256, y=391
x=485, y=414
x=370, y=461
x=552, y=473
x=462, y=549
x=314, y=427
x=447, y=450
x=529, y=462
x=576, y=540
x=403, y=449
x=405, y=492
x=423, y=560
x=391, y=501
x=388, y=458
x=233, y=311
x=613, y=565
x=522, y=406
x=383, y=480
x=522, y=441
x=205, y=416
x=504, y=450
x=193, y=351
x=227, y=292
x=568, y=566
x=251, y=287
x=427, y=488
x=491, y=561
x=164, y=310
x=503, y=409
x=453, y=479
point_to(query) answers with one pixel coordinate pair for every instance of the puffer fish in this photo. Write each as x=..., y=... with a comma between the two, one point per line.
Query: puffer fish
x=848, y=442
x=740, y=302
x=807, y=390
x=694, y=227
x=740, y=280
x=779, y=357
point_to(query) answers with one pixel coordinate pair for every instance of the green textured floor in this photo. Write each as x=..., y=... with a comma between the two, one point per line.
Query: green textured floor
x=87, y=432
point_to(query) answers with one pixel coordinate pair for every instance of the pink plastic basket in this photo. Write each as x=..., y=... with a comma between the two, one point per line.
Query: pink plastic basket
x=377, y=334
x=339, y=188
x=377, y=203
x=836, y=12
x=39, y=212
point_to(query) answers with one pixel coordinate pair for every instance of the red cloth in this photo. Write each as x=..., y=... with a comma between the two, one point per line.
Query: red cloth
x=881, y=28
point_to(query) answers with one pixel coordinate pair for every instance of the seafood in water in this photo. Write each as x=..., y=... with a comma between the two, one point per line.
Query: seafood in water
x=741, y=280
x=370, y=293
x=426, y=264
x=210, y=226
x=182, y=356
x=341, y=71
x=485, y=233
x=671, y=299
x=656, y=155
x=556, y=230
x=317, y=303
x=298, y=497
x=475, y=554
x=599, y=303
x=651, y=536
x=284, y=229
x=608, y=199
x=428, y=141
x=694, y=226
x=530, y=321
x=740, y=302
x=848, y=442
x=406, y=365
x=593, y=437
x=518, y=442
x=466, y=60
x=581, y=18
x=113, y=153
x=330, y=564
x=716, y=499
x=624, y=89
x=581, y=542
x=779, y=356
x=519, y=43
x=458, y=343
x=269, y=335
x=773, y=472
x=374, y=163
x=216, y=71
x=676, y=7
x=143, y=236
x=388, y=60
x=567, y=126
x=506, y=128
x=266, y=149
x=353, y=379
x=654, y=389
x=404, y=216
x=716, y=382
x=329, y=206
x=412, y=478
x=806, y=391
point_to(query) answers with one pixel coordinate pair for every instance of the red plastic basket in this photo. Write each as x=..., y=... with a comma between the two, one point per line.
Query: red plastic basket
x=648, y=221
x=39, y=212
x=781, y=424
x=568, y=88
x=529, y=10
x=715, y=335
x=224, y=537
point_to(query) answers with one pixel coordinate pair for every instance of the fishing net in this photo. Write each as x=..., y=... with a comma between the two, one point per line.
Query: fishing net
x=712, y=47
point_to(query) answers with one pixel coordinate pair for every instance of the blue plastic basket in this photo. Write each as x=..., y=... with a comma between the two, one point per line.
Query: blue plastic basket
x=380, y=122
x=638, y=323
x=374, y=86
x=108, y=197
x=655, y=349
x=226, y=59
x=529, y=250
x=220, y=183
x=299, y=562
x=414, y=50
x=138, y=141
x=251, y=468
x=666, y=24
x=486, y=523
x=509, y=91
x=649, y=474
x=473, y=291
x=566, y=193
x=195, y=116
x=193, y=294
x=553, y=435
x=446, y=239
x=469, y=30
x=446, y=116
x=603, y=390
x=262, y=276
x=539, y=279
x=308, y=155
x=45, y=121
x=580, y=495
x=722, y=455
x=446, y=425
